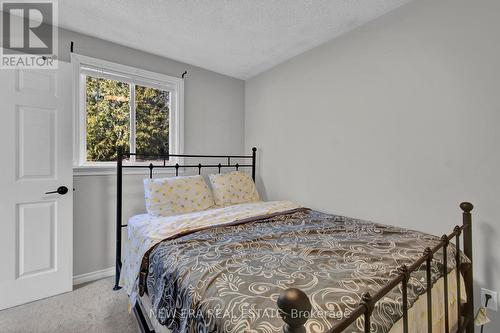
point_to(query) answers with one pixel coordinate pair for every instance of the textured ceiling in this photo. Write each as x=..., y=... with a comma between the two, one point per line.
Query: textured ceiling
x=239, y=38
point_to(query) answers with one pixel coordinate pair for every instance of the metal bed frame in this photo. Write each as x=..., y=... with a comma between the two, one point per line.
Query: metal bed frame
x=293, y=304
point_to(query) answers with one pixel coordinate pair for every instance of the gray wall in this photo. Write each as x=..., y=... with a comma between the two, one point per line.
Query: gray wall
x=396, y=121
x=213, y=124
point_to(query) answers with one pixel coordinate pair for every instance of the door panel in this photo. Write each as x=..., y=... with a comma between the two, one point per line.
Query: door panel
x=36, y=236
x=36, y=142
x=41, y=82
x=36, y=229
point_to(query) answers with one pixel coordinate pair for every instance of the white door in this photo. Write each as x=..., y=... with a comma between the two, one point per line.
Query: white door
x=36, y=229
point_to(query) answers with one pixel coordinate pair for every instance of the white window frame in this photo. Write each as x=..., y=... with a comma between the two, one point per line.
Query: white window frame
x=84, y=65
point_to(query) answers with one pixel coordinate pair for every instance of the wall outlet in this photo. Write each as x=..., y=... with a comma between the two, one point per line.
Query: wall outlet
x=492, y=303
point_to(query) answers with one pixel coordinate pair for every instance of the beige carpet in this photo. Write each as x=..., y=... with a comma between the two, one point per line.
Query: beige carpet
x=92, y=307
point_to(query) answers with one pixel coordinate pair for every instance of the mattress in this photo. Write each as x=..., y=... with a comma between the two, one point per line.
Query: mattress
x=247, y=254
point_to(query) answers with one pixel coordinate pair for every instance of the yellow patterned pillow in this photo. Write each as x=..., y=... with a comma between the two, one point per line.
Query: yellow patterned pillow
x=177, y=195
x=233, y=188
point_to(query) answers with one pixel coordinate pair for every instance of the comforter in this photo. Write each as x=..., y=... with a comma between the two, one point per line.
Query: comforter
x=227, y=278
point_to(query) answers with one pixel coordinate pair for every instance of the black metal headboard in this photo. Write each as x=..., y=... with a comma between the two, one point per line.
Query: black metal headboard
x=161, y=163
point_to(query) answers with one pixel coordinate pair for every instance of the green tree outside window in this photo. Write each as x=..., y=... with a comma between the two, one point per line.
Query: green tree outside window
x=108, y=119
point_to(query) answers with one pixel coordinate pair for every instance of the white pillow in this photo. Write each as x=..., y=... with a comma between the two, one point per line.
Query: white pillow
x=233, y=188
x=177, y=195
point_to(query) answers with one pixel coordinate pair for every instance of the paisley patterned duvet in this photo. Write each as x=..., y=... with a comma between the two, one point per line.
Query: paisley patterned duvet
x=227, y=279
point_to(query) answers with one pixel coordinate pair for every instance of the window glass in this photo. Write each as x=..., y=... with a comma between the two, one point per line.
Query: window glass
x=107, y=118
x=152, y=113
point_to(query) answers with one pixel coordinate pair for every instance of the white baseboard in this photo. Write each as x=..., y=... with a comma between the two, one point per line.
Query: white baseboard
x=92, y=276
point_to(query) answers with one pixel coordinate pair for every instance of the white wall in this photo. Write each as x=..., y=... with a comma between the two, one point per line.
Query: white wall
x=396, y=122
x=213, y=124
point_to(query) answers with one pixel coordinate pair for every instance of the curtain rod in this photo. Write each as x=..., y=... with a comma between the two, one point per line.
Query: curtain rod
x=72, y=48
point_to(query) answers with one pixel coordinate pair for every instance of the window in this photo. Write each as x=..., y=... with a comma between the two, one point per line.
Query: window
x=121, y=106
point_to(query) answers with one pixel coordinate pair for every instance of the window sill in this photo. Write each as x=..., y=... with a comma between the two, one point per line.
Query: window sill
x=103, y=170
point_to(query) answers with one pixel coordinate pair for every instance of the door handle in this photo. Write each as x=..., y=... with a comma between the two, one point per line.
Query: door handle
x=60, y=190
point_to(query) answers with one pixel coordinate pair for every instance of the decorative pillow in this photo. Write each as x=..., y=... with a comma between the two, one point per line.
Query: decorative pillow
x=233, y=188
x=177, y=195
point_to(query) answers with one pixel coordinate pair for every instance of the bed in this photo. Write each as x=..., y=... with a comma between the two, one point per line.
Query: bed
x=276, y=266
